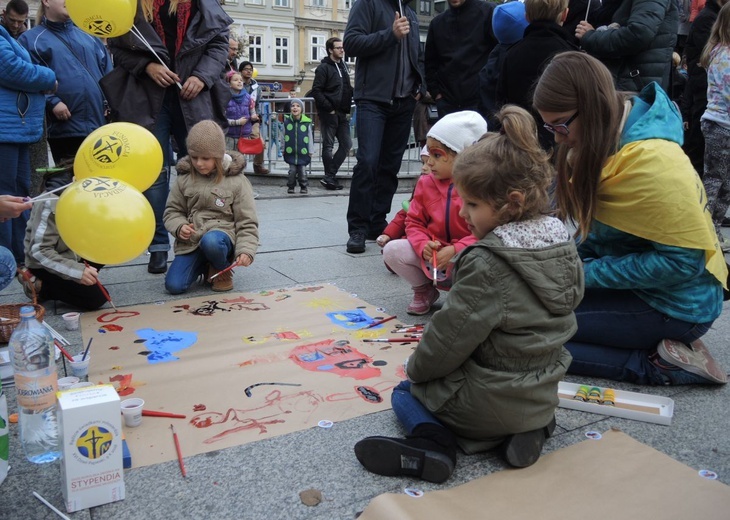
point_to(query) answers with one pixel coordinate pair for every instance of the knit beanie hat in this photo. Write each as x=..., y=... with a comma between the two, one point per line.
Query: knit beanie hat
x=298, y=102
x=206, y=139
x=509, y=22
x=459, y=130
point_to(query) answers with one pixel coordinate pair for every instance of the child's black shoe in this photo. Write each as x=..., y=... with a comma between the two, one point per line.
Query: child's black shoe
x=523, y=449
x=417, y=457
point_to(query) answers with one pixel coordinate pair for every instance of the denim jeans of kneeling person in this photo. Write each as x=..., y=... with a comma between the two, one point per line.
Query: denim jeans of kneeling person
x=215, y=248
x=617, y=331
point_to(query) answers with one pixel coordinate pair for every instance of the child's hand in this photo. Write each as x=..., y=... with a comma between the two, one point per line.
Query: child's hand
x=244, y=260
x=382, y=240
x=186, y=231
x=431, y=246
x=444, y=256
x=90, y=276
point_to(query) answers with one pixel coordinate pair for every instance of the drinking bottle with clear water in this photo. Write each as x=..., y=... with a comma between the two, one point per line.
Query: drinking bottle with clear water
x=31, y=347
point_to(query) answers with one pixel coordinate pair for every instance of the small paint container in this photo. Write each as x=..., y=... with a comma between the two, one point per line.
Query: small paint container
x=132, y=411
x=71, y=320
x=79, y=367
x=67, y=382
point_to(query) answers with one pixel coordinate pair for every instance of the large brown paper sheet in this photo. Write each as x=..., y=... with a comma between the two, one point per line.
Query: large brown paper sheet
x=614, y=478
x=243, y=367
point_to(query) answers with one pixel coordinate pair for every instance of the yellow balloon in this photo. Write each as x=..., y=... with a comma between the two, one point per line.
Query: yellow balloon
x=103, y=18
x=123, y=151
x=105, y=220
x=255, y=72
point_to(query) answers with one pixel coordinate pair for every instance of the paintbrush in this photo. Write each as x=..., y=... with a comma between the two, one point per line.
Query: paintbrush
x=223, y=271
x=86, y=352
x=155, y=413
x=434, y=262
x=103, y=290
x=179, y=452
x=380, y=322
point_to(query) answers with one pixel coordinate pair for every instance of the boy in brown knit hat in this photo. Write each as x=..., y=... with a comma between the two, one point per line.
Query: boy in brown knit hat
x=210, y=212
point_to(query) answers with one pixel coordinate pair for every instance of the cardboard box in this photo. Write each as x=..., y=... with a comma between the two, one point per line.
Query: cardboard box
x=90, y=424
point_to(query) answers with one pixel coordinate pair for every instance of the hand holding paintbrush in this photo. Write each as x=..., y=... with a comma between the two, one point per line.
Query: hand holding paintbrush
x=91, y=277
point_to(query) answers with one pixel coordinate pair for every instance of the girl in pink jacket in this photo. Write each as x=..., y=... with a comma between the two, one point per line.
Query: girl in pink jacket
x=435, y=232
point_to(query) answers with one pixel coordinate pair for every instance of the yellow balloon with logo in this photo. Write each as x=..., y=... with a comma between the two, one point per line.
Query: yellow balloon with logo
x=255, y=73
x=124, y=151
x=105, y=220
x=103, y=18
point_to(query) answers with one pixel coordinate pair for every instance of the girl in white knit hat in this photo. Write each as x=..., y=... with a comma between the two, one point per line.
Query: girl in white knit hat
x=435, y=232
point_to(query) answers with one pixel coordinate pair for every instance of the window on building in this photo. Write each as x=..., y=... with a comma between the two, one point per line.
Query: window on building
x=254, y=2
x=424, y=7
x=348, y=4
x=255, y=48
x=318, y=3
x=317, y=50
x=281, y=3
x=281, y=50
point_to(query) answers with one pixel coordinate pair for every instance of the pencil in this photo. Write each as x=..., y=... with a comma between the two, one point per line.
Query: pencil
x=223, y=271
x=48, y=504
x=380, y=322
x=391, y=340
x=155, y=413
x=179, y=452
x=63, y=350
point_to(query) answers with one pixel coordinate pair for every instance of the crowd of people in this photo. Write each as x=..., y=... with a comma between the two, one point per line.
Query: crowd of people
x=550, y=115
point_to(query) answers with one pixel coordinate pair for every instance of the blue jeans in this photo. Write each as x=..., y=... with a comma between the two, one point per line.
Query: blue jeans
x=14, y=180
x=7, y=267
x=617, y=331
x=382, y=136
x=334, y=126
x=409, y=410
x=215, y=248
x=170, y=122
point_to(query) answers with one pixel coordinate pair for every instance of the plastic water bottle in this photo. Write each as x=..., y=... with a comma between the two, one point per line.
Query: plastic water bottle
x=31, y=346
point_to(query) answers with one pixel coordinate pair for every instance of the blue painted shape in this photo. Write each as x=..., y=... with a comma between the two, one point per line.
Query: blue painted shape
x=325, y=367
x=162, y=343
x=311, y=357
x=351, y=320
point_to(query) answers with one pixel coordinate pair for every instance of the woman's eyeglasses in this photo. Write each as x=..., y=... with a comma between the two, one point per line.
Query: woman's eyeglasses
x=562, y=128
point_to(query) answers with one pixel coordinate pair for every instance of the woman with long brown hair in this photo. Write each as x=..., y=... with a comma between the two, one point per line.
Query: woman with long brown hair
x=654, y=271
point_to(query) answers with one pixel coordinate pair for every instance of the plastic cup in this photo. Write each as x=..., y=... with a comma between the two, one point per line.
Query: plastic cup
x=80, y=368
x=71, y=320
x=132, y=411
x=67, y=382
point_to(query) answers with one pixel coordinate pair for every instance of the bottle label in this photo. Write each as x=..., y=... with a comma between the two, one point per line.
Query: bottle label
x=37, y=391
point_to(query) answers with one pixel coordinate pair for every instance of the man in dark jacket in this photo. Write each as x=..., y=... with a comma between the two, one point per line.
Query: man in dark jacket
x=457, y=47
x=383, y=36
x=543, y=38
x=640, y=50
x=332, y=94
x=15, y=17
x=695, y=94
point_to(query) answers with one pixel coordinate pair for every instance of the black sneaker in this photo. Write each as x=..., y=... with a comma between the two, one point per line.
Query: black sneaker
x=356, y=244
x=290, y=191
x=304, y=191
x=725, y=222
x=330, y=184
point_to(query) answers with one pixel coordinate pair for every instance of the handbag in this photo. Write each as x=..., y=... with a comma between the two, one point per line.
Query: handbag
x=250, y=145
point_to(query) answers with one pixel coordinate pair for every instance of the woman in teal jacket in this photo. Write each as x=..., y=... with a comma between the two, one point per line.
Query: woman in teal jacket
x=654, y=272
x=22, y=85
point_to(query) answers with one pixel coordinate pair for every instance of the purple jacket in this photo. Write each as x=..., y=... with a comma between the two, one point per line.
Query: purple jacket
x=239, y=106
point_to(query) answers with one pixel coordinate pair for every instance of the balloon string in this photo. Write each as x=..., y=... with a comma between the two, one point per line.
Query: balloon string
x=41, y=198
x=138, y=34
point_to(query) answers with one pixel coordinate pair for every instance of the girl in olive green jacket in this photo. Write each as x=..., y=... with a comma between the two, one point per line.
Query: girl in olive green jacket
x=486, y=371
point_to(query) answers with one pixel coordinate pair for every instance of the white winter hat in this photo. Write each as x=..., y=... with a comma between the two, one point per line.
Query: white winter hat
x=459, y=130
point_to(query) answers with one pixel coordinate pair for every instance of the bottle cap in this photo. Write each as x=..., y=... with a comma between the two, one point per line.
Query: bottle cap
x=27, y=311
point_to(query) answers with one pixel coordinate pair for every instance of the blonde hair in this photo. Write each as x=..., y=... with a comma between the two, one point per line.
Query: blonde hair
x=576, y=82
x=220, y=172
x=148, y=8
x=719, y=36
x=500, y=164
x=545, y=10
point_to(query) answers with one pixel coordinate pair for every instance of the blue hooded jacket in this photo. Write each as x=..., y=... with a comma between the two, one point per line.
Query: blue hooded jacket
x=21, y=84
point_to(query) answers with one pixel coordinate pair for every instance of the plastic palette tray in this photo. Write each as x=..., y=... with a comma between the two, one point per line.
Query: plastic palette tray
x=628, y=405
